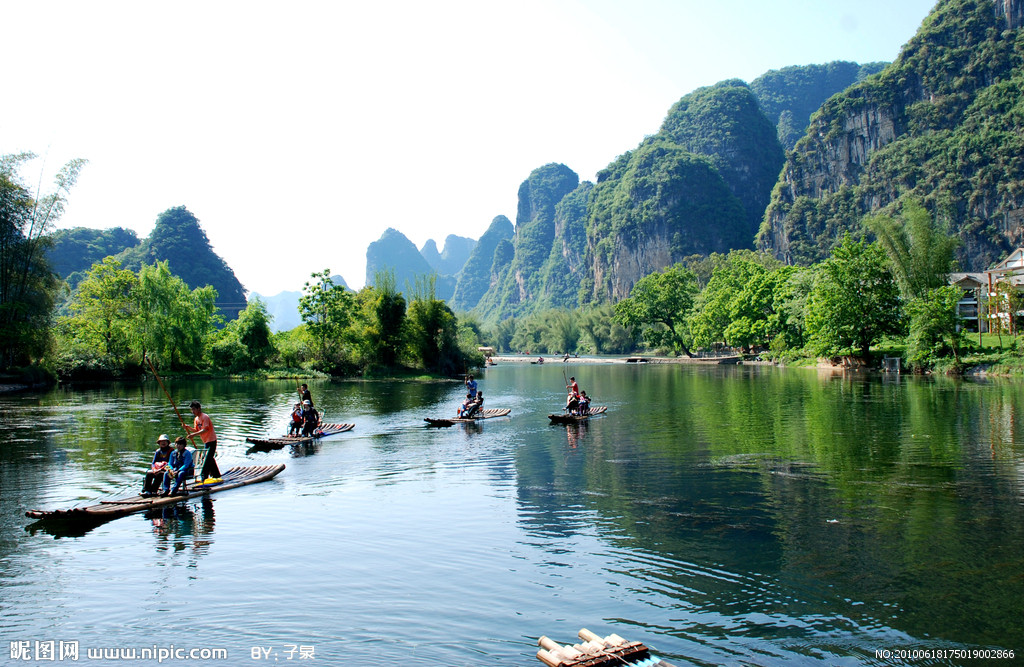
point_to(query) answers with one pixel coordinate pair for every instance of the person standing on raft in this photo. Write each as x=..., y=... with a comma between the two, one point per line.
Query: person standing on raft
x=203, y=427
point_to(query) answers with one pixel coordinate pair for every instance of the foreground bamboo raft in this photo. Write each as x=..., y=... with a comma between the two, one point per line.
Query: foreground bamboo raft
x=595, y=651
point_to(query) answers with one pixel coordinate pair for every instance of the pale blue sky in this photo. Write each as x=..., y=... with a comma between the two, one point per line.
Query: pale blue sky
x=298, y=132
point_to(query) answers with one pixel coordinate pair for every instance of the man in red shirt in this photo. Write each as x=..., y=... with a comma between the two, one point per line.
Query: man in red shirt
x=203, y=427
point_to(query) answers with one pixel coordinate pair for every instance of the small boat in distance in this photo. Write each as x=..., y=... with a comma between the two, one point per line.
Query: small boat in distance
x=572, y=419
x=482, y=414
x=118, y=507
x=278, y=443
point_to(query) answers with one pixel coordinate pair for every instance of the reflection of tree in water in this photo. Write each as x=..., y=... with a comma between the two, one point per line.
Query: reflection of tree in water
x=178, y=526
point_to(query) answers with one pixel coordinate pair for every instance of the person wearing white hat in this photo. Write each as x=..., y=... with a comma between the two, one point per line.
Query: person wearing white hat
x=151, y=485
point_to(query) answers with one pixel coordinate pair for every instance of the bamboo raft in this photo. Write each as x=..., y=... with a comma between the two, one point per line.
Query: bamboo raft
x=573, y=419
x=118, y=507
x=278, y=443
x=595, y=651
x=482, y=414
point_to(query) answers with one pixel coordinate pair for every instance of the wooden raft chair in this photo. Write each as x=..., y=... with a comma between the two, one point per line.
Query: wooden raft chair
x=595, y=651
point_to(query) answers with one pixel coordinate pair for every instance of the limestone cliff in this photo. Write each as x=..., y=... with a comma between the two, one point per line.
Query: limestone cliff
x=940, y=124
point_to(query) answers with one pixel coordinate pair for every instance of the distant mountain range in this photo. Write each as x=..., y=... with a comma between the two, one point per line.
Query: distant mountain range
x=788, y=163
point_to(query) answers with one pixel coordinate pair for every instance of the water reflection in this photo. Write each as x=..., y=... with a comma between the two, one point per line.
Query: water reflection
x=180, y=528
x=724, y=515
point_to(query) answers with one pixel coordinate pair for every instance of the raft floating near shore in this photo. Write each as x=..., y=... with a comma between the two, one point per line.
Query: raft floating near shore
x=595, y=651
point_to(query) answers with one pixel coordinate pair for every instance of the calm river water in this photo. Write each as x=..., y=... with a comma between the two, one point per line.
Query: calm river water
x=722, y=515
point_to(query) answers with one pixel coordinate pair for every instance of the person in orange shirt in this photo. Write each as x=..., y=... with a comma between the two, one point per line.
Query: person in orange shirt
x=203, y=427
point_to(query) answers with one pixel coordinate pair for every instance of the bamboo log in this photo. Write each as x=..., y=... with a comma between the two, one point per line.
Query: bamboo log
x=548, y=659
x=547, y=643
x=614, y=640
x=588, y=636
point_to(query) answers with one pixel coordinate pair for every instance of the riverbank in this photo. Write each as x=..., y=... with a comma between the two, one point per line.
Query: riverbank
x=635, y=359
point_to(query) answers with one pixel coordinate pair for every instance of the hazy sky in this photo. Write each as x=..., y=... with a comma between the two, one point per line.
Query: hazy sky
x=297, y=132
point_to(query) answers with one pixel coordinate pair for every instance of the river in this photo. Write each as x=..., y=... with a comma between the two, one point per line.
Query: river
x=741, y=515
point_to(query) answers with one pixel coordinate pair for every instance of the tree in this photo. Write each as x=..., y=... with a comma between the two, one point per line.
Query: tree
x=246, y=343
x=384, y=320
x=658, y=305
x=27, y=287
x=174, y=324
x=326, y=309
x=920, y=251
x=935, y=329
x=854, y=301
x=103, y=309
x=433, y=332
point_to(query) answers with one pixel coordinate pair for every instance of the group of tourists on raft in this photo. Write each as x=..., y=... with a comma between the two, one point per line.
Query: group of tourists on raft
x=577, y=402
x=305, y=419
x=177, y=464
x=474, y=400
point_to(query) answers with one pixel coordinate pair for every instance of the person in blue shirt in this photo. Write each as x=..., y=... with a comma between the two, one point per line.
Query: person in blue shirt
x=180, y=468
x=471, y=386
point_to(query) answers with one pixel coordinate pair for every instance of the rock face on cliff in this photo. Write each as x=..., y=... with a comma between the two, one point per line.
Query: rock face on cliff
x=941, y=125
x=519, y=280
x=789, y=96
x=476, y=276
x=698, y=186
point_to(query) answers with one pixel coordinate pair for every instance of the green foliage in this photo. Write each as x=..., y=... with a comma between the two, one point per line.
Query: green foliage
x=104, y=310
x=476, y=273
x=327, y=311
x=433, y=333
x=725, y=123
x=27, y=288
x=246, y=344
x=292, y=348
x=600, y=333
x=658, y=305
x=935, y=328
x=854, y=302
x=789, y=96
x=942, y=125
x=73, y=251
x=178, y=239
x=920, y=252
x=175, y=324
x=383, y=318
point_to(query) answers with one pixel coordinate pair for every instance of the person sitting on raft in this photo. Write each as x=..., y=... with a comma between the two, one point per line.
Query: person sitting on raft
x=180, y=467
x=584, y=407
x=151, y=485
x=310, y=419
x=296, y=423
x=463, y=410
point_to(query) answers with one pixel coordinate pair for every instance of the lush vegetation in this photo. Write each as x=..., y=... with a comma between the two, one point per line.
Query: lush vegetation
x=28, y=289
x=789, y=96
x=942, y=125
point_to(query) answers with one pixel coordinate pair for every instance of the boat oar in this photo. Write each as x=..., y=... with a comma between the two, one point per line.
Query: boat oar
x=173, y=404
